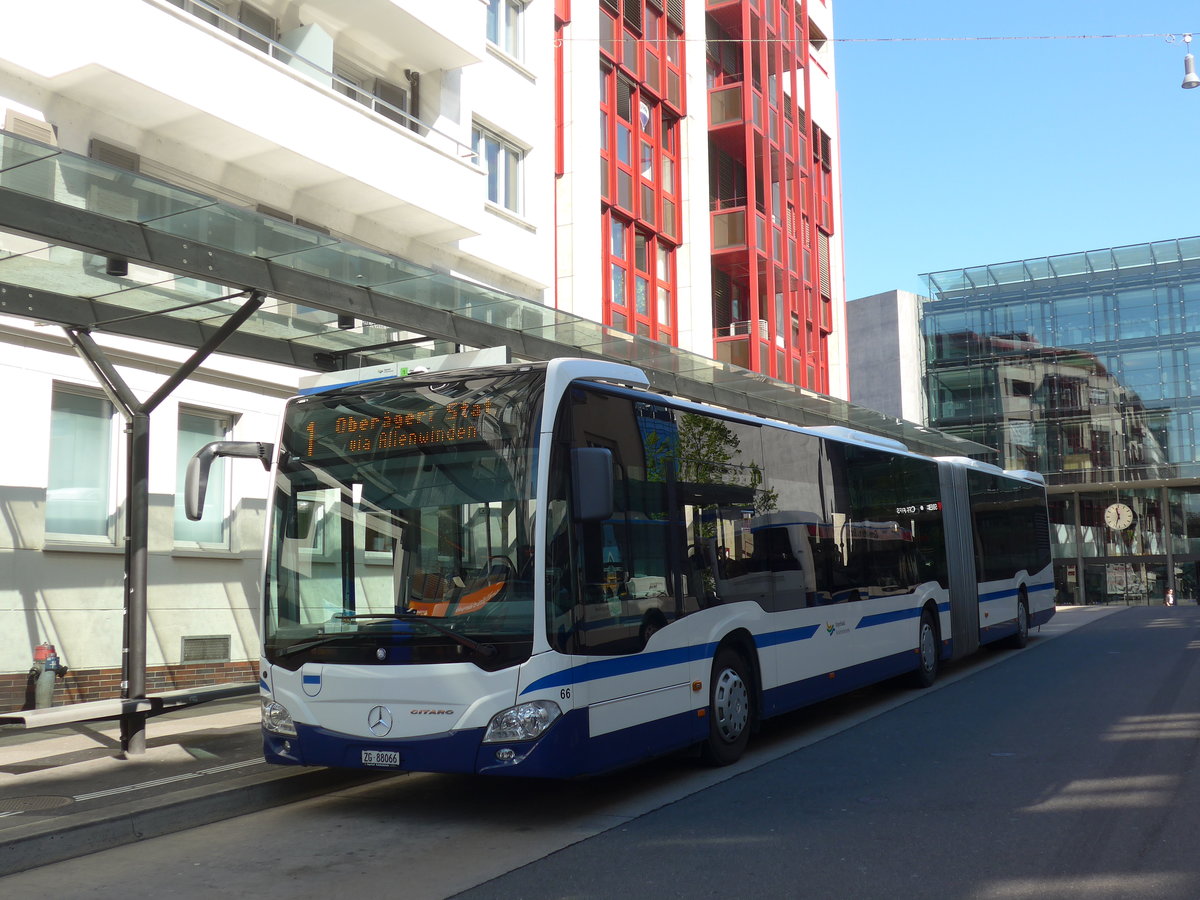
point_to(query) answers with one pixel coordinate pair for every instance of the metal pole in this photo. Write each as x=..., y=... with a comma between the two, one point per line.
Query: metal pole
x=1080, y=580
x=1164, y=500
x=133, y=723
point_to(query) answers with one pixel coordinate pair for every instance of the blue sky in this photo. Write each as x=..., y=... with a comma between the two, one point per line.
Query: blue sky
x=962, y=153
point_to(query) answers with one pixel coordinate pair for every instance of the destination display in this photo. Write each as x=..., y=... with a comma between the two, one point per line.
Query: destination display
x=323, y=429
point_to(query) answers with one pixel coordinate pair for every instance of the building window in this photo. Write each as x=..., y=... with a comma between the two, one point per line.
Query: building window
x=195, y=430
x=260, y=28
x=501, y=159
x=392, y=100
x=352, y=81
x=82, y=487
x=504, y=25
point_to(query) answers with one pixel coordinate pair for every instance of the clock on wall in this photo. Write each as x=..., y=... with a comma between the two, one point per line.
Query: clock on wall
x=1118, y=516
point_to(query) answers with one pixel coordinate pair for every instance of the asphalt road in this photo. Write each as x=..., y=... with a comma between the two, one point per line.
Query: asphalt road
x=1068, y=769
x=1065, y=772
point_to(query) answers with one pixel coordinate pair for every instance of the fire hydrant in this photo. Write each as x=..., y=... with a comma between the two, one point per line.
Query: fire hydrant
x=47, y=670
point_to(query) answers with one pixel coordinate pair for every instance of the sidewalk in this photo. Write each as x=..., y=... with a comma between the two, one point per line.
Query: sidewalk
x=65, y=791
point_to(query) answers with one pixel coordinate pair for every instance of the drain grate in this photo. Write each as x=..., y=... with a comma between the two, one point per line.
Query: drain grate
x=32, y=804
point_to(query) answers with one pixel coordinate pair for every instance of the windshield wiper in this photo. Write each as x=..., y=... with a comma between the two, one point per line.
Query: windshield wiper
x=484, y=650
x=317, y=642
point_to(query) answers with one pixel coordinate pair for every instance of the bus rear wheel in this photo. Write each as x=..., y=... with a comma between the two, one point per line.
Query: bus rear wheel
x=1021, y=638
x=730, y=708
x=927, y=652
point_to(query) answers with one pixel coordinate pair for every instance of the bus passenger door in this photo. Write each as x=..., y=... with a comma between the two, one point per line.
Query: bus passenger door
x=616, y=612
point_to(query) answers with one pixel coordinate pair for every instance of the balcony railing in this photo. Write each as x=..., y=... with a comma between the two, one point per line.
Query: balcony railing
x=744, y=327
x=319, y=76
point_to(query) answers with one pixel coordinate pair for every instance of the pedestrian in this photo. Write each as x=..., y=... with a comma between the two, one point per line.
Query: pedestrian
x=1169, y=599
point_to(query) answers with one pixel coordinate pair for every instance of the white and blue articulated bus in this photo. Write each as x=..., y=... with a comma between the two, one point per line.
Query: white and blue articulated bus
x=550, y=570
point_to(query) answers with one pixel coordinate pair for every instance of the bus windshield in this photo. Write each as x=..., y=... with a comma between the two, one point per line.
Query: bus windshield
x=401, y=528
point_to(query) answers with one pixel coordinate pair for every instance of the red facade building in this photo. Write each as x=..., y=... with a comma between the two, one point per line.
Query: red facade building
x=735, y=88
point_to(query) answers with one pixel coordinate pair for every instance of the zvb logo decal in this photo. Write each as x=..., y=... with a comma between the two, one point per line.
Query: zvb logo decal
x=379, y=721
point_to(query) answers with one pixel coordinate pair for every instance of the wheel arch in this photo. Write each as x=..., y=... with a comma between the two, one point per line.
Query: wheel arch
x=742, y=642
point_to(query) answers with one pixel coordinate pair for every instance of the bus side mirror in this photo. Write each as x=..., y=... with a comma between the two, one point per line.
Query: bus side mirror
x=592, y=483
x=195, y=484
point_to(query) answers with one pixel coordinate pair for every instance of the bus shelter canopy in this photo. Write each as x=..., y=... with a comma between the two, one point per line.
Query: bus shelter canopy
x=93, y=247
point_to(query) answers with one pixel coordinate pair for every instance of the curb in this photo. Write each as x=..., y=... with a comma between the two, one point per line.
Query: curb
x=74, y=835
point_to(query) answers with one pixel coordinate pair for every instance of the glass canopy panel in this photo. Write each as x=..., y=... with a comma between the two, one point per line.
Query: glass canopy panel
x=189, y=299
x=1007, y=273
x=1189, y=248
x=350, y=264
x=429, y=289
x=685, y=365
x=117, y=193
x=1166, y=251
x=241, y=231
x=1068, y=264
x=573, y=333
x=949, y=281
x=1038, y=268
x=36, y=176
x=733, y=378
x=508, y=312
x=73, y=273
x=619, y=346
x=1132, y=257
x=1101, y=260
x=16, y=152
x=976, y=276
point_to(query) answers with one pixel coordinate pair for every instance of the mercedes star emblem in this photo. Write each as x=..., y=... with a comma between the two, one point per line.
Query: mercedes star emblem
x=379, y=720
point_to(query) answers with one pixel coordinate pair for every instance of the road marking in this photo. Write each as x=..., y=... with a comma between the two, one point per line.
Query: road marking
x=158, y=782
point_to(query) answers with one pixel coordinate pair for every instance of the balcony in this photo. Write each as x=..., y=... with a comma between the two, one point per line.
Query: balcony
x=448, y=34
x=261, y=119
x=725, y=106
x=728, y=230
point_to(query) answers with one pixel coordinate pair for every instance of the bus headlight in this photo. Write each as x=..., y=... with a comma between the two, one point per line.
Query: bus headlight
x=276, y=718
x=522, y=723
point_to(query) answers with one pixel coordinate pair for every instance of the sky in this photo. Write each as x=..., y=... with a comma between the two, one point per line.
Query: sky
x=968, y=152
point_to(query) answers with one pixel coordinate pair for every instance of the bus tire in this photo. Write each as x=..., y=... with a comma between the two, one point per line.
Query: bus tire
x=1021, y=638
x=730, y=709
x=928, y=659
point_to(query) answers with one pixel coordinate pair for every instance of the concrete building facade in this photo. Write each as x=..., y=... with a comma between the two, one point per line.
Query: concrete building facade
x=887, y=354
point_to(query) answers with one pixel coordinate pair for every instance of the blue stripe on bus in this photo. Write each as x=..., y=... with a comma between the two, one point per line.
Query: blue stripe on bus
x=787, y=636
x=1012, y=592
x=898, y=615
x=644, y=662
x=884, y=618
x=620, y=665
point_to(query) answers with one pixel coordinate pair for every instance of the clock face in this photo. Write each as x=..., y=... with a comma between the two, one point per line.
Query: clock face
x=1118, y=516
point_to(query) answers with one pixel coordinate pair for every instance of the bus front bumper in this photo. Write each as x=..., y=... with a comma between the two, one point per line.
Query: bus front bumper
x=556, y=754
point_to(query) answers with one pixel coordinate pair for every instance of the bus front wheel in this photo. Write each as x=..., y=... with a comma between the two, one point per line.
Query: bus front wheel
x=730, y=706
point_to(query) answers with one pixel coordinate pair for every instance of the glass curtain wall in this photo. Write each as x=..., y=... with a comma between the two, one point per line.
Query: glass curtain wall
x=1084, y=367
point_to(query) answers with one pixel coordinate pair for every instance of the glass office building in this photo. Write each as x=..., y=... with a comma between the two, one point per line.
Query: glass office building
x=1085, y=367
